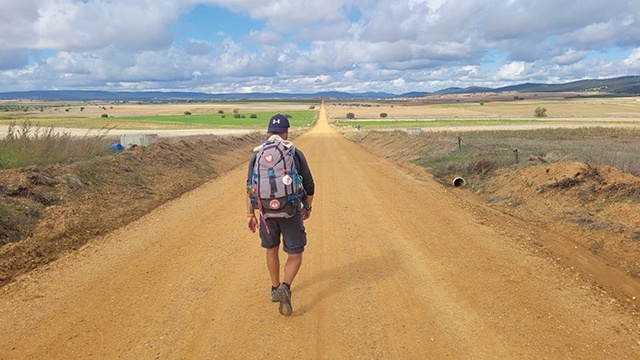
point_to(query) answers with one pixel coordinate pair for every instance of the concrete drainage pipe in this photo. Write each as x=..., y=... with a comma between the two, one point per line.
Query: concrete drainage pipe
x=458, y=182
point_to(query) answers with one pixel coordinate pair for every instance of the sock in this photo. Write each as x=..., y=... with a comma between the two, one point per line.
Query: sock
x=274, y=288
x=287, y=285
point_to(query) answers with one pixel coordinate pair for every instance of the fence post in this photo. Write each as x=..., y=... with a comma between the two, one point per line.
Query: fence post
x=516, y=152
x=459, y=143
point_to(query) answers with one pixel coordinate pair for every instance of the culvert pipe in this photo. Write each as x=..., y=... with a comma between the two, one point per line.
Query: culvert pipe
x=458, y=182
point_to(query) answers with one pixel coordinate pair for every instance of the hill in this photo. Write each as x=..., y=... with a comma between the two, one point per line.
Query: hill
x=627, y=85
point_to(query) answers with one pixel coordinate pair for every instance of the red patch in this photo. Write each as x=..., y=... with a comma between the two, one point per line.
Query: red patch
x=268, y=158
x=274, y=204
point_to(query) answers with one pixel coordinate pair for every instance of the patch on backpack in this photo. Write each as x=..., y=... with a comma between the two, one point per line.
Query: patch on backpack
x=274, y=204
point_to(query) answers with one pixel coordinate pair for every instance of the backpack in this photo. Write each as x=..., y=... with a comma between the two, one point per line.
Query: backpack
x=276, y=185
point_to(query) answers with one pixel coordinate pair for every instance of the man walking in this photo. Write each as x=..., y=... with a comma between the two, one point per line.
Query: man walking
x=280, y=186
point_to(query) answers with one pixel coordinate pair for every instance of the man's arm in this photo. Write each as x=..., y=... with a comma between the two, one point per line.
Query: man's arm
x=252, y=222
x=306, y=210
x=307, y=182
x=305, y=172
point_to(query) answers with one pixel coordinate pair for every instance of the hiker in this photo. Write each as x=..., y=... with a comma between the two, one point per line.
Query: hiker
x=281, y=188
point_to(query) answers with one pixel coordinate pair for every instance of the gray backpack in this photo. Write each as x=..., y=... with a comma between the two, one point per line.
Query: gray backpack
x=276, y=185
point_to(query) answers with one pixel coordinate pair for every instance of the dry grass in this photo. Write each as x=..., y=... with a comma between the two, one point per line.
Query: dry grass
x=28, y=144
x=592, y=130
x=477, y=154
x=587, y=109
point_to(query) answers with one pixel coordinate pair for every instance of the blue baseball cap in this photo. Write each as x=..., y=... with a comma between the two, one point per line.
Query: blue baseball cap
x=278, y=124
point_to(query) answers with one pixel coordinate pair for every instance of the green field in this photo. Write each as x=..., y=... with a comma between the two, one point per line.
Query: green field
x=227, y=121
x=253, y=120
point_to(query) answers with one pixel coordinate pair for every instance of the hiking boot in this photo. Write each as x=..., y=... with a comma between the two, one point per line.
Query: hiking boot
x=285, y=300
x=274, y=294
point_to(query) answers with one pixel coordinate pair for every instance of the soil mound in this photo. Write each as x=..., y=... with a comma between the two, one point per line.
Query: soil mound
x=598, y=207
x=47, y=211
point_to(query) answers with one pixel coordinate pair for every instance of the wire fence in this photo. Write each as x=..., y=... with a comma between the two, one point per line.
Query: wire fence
x=490, y=150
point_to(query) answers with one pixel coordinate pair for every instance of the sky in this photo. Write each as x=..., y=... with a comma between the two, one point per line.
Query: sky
x=308, y=46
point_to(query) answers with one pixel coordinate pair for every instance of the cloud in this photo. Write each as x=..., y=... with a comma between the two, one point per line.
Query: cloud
x=570, y=56
x=633, y=61
x=198, y=47
x=70, y=25
x=13, y=59
x=384, y=45
x=512, y=71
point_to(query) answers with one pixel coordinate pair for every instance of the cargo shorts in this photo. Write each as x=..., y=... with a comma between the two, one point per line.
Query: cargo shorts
x=291, y=230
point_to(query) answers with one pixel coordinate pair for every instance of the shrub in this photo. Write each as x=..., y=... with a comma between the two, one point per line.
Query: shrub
x=540, y=112
x=383, y=115
x=350, y=116
x=220, y=111
x=104, y=115
x=254, y=116
x=187, y=112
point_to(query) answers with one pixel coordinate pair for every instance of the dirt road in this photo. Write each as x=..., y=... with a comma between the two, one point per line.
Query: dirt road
x=397, y=267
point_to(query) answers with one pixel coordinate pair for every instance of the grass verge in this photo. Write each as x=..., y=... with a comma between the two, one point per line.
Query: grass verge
x=30, y=144
x=477, y=154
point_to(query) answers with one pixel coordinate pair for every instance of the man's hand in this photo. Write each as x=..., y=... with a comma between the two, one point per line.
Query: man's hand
x=252, y=223
x=305, y=214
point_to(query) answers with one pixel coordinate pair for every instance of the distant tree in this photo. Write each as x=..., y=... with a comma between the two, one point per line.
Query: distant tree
x=187, y=112
x=104, y=115
x=383, y=115
x=220, y=111
x=351, y=116
x=254, y=116
x=540, y=112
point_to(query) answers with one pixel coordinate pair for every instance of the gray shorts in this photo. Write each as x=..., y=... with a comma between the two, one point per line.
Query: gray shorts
x=292, y=230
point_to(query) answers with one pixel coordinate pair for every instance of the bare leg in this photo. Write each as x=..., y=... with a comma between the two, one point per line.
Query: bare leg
x=291, y=267
x=273, y=263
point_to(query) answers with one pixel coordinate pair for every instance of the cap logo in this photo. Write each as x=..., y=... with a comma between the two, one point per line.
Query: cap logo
x=276, y=121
